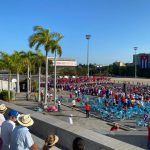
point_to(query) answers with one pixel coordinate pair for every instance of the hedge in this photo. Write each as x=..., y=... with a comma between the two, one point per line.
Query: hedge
x=4, y=95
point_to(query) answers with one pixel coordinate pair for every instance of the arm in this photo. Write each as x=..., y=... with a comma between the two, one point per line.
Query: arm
x=34, y=147
x=30, y=143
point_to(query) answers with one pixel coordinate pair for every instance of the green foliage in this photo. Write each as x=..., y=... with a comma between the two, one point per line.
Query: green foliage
x=68, y=71
x=81, y=70
x=35, y=86
x=4, y=95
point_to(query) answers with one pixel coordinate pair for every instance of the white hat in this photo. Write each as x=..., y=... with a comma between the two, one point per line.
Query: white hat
x=51, y=140
x=25, y=120
x=2, y=108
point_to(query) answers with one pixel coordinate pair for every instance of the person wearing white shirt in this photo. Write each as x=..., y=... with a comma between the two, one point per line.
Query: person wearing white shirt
x=73, y=104
x=3, y=108
x=7, y=129
x=59, y=104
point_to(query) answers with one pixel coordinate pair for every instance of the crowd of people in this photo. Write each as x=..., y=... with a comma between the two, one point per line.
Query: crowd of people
x=14, y=132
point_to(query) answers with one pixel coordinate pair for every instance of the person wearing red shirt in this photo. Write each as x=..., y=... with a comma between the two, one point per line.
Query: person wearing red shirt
x=115, y=127
x=87, y=109
x=122, y=99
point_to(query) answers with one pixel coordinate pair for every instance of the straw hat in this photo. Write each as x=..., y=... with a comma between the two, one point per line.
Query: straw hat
x=25, y=120
x=51, y=140
x=2, y=108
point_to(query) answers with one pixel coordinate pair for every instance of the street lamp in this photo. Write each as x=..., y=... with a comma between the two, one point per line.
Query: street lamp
x=88, y=38
x=55, y=78
x=135, y=49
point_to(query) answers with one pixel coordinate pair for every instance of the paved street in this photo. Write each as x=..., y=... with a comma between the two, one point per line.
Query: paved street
x=78, y=117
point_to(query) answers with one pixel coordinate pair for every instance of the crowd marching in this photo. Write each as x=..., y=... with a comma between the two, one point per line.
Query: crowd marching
x=109, y=99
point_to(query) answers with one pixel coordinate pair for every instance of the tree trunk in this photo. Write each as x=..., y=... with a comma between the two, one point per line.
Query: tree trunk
x=46, y=78
x=39, y=96
x=2, y=84
x=55, y=79
x=28, y=83
x=9, y=78
x=18, y=85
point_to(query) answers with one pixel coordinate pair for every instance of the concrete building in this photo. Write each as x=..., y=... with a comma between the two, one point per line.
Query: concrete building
x=119, y=63
x=64, y=62
x=142, y=60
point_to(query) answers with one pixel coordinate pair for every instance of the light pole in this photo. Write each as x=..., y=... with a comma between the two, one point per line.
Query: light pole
x=135, y=49
x=55, y=79
x=88, y=38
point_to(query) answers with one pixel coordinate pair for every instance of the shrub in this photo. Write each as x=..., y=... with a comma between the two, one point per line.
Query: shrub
x=4, y=95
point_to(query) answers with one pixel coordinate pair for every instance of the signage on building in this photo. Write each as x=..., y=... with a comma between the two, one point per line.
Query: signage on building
x=65, y=63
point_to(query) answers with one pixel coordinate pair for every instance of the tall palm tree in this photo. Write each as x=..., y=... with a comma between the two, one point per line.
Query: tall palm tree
x=56, y=50
x=39, y=58
x=17, y=65
x=27, y=58
x=43, y=37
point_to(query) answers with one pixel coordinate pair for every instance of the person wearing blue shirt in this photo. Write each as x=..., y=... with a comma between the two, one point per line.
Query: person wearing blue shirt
x=7, y=129
x=21, y=137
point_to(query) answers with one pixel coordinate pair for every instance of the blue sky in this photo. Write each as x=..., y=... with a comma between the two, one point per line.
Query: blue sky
x=116, y=26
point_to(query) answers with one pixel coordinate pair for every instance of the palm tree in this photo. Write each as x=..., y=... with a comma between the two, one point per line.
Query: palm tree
x=27, y=58
x=39, y=58
x=7, y=62
x=17, y=65
x=43, y=37
x=56, y=50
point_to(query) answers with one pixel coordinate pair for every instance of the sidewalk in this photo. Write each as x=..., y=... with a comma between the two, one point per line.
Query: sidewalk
x=79, y=118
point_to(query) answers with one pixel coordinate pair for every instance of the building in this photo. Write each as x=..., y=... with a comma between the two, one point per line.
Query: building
x=64, y=62
x=142, y=60
x=119, y=63
x=64, y=65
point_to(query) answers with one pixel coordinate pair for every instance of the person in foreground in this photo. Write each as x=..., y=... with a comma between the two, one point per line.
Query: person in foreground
x=78, y=144
x=7, y=129
x=3, y=108
x=50, y=142
x=21, y=137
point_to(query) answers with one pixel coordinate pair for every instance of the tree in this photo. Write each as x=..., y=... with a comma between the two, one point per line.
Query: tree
x=27, y=59
x=43, y=37
x=39, y=58
x=57, y=50
x=7, y=62
x=17, y=65
x=81, y=70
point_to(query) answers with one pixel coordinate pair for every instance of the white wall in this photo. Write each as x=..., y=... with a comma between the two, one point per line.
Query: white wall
x=4, y=85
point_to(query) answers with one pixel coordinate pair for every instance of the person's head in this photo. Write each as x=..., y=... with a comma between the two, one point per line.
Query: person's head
x=3, y=108
x=25, y=120
x=78, y=144
x=13, y=115
x=116, y=125
x=50, y=141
